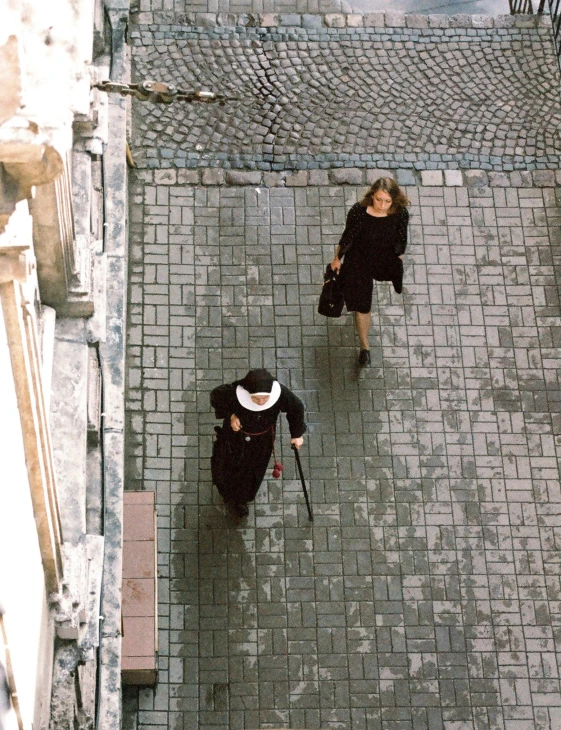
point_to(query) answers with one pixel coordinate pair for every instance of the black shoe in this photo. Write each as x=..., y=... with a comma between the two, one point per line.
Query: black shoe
x=240, y=509
x=397, y=286
x=237, y=509
x=364, y=358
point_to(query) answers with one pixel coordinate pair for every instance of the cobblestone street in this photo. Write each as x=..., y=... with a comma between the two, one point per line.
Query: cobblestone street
x=305, y=95
x=426, y=594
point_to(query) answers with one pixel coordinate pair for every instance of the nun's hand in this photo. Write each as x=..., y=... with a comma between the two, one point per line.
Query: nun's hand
x=297, y=442
x=235, y=423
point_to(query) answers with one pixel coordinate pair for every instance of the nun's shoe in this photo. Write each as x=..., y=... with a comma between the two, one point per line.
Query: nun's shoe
x=364, y=358
x=237, y=509
x=241, y=509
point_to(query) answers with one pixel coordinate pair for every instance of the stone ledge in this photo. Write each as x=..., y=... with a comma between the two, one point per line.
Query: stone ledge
x=389, y=19
x=169, y=166
x=353, y=176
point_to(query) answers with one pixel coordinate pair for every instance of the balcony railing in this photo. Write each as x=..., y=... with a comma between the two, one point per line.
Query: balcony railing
x=555, y=12
x=526, y=7
x=554, y=8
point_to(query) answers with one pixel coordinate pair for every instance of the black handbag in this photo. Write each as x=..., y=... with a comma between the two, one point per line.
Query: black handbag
x=331, y=300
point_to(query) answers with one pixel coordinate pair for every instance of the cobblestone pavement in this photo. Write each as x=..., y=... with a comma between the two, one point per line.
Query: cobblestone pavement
x=366, y=95
x=427, y=591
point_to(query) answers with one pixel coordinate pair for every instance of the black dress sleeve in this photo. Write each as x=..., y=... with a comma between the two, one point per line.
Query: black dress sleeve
x=294, y=409
x=353, y=225
x=222, y=400
x=400, y=241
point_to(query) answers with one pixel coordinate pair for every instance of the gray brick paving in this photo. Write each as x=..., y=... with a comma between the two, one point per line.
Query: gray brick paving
x=426, y=594
x=351, y=91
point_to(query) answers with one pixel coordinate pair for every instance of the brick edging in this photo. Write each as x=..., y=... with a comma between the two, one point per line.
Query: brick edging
x=389, y=19
x=210, y=177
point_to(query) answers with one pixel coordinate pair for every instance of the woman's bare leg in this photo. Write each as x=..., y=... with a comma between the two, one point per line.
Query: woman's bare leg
x=362, y=324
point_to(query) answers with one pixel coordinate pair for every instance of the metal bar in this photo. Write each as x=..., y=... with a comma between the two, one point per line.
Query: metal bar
x=554, y=12
x=556, y=25
x=521, y=6
x=299, y=465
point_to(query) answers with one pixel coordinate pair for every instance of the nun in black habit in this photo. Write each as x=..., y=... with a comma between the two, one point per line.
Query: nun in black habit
x=245, y=441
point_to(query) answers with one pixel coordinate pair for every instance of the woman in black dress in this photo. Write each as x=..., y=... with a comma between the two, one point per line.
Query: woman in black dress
x=371, y=247
x=244, y=443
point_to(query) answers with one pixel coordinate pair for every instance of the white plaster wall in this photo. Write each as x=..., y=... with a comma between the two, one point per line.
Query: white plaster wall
x=22, y=587
x=55, y=46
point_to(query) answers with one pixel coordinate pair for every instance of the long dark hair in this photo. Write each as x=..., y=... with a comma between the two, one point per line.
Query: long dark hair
x=387, y=185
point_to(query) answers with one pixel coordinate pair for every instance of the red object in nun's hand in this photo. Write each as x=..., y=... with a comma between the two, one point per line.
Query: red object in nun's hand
x=277, y=469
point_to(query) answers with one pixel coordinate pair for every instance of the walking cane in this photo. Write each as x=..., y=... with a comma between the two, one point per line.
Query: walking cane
x=299, y=465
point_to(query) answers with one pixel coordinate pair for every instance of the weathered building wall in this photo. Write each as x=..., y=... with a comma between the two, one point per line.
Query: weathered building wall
x=23, y=596
x=59, y=342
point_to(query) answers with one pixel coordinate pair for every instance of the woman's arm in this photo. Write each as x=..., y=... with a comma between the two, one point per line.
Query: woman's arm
x=336, y=263
x=400, y=242
x=347, y=239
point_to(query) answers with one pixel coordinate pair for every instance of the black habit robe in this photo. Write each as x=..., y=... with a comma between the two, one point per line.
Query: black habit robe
x=240, y=458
